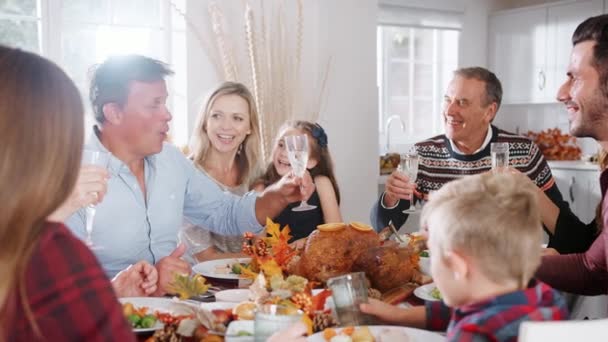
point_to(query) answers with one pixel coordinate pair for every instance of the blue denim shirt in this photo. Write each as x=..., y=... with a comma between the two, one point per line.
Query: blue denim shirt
x=129, y=228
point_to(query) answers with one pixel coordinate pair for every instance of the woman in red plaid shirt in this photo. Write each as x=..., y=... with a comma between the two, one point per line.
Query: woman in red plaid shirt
x=51, y=286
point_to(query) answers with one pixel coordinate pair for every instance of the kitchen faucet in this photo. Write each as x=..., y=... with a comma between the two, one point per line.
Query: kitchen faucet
x=387, y=129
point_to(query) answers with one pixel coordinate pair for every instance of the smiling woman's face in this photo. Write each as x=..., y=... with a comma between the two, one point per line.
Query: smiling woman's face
x=228, y=123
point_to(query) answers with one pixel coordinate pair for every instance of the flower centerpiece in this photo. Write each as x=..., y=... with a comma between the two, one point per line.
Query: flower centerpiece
x=270, y=258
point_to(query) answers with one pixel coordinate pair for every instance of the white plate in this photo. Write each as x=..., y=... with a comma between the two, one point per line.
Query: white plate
x=415, y=335
x=209, y=268
x=233, y=295
x=218, y=305
x=424, y=292
x=233, y=329
x=156, y=304
x=241, y=295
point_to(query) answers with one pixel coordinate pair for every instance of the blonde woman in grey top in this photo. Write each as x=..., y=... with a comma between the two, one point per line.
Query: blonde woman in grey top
x=226, y=148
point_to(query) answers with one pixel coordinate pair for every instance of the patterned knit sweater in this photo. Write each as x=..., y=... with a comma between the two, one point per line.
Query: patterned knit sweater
x=439, y=164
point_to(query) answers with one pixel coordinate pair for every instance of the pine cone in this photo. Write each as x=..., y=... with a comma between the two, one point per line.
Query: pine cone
x=322, y=320
x=262, y=248
x=373, y=293
x=247, y=248
x=167, y=334
x=303, y=301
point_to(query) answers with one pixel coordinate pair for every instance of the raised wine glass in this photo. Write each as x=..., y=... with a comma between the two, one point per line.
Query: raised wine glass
x=98, y=158
x=297, y=152
x=408, y=165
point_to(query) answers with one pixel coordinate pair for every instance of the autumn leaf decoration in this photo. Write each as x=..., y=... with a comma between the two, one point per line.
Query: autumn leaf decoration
x=270, y=254
x=187, y=287
x=278, y=239
x=247, y=273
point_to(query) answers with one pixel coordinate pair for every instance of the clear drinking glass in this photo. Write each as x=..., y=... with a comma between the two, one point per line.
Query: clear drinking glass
x=297, y=152
x=270, y=318
x=500, y=156
x=348, y=291
x=408, y=165
x=98, y=158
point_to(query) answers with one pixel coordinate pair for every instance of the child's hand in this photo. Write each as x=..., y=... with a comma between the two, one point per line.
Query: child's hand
x=412, y=317
x=295, y=333
x=386, y=312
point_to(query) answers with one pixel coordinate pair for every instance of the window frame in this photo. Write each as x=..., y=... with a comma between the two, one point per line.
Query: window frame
x=392, y=16
x=50, y=30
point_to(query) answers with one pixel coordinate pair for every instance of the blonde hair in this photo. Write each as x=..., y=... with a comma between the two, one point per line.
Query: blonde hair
x=41, y=130
x=248, y=161
x=493, y=218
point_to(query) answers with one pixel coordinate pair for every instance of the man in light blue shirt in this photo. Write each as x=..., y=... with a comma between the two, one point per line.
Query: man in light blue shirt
x=152, y=186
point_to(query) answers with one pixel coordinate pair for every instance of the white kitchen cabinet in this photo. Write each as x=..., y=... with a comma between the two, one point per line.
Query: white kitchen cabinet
x=562, y=20
x=579, y=184
x=517, y=52
x=529, y=48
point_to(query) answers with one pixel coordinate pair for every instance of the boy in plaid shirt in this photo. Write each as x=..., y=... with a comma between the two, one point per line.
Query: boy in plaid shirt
x=484, y=240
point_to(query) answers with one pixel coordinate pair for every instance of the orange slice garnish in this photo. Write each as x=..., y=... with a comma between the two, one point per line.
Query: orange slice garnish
x=362, y=227
x=245, y=311
x=331, y=227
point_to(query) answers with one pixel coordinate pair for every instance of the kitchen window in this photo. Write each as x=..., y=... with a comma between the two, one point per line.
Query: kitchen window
x=77, y=34
x=416, y=58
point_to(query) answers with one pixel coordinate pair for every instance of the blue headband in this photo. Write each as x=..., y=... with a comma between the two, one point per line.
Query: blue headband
x=319, y=134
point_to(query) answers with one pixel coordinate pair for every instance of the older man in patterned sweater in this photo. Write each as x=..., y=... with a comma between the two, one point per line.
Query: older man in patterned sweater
x=470, y=105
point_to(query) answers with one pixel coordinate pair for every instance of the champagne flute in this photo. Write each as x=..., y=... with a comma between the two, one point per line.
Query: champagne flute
x=98, y=158
x=408, y=165
x=297, y=152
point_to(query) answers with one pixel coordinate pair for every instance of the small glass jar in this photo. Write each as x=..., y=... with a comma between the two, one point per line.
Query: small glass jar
x=270, y=318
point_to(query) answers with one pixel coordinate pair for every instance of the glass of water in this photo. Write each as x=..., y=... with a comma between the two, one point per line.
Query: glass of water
x=348, y=291
x=270, y=318
x=500, y=156
x=98, y=158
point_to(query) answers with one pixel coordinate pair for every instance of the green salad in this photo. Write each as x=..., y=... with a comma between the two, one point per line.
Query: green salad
x=140, y=322
x=435, y=293
x=237, y=267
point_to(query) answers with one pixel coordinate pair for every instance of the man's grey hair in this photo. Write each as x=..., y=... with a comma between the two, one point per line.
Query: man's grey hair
x=493, y=86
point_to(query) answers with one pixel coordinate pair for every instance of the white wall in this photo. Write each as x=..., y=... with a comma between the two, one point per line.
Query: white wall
x=474, y=34
x=348, y=35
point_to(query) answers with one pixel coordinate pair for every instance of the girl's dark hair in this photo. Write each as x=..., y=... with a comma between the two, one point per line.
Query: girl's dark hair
x=319, y=151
